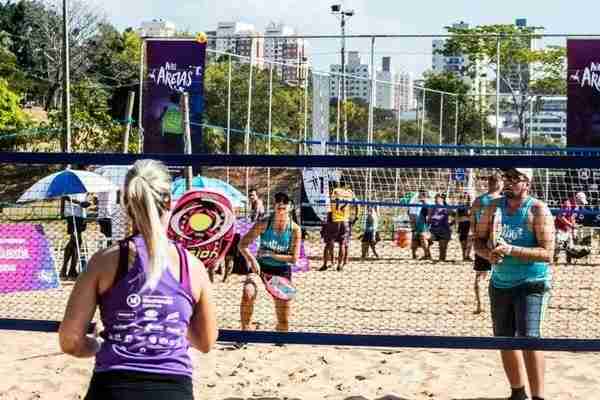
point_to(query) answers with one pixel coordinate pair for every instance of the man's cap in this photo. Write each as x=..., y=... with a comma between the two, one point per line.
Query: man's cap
x=526, y=172
x=581, y=197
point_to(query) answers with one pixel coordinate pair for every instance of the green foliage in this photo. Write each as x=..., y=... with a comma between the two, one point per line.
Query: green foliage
x=287, y=108
x=385, y=125
x=472, y=121
x=11, y=115
x=114, y=56
x=531, y=72
x=551, y=71
x=94, y=130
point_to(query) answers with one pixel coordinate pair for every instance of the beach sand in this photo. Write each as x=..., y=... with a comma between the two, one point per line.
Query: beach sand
x=393, y=295
x=32, y=367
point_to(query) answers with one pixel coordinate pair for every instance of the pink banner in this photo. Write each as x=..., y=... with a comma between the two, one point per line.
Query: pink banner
x=26, y=261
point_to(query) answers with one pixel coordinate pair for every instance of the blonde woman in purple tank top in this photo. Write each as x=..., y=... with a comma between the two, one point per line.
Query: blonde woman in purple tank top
x=154, y=298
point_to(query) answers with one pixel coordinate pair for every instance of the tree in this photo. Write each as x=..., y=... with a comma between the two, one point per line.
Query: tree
x=522, y=69
x=114, y=56
x=472, y=121
x=8, y=61
x=43, y=22
x=11, y=115
x=287, y=122
x=93, y=127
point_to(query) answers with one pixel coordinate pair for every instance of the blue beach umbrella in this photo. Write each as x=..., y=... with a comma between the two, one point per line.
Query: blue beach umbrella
x=201, y=182
x=65, y=183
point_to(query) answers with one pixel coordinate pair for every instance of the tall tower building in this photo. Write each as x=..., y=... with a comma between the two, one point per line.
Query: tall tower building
x=384, y=95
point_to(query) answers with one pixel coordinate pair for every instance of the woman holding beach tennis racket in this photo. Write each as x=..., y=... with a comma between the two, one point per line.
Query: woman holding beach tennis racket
x=278, y=251
x=154, y=299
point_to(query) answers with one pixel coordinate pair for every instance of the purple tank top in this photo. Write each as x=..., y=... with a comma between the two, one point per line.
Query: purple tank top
x=146, y=330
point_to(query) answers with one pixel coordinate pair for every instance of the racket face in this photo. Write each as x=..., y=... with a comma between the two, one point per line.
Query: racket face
x=279, y=287
x=496, y=233
x=204, y=223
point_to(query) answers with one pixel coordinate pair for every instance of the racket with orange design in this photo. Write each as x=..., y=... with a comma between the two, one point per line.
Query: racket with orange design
x=204, y=223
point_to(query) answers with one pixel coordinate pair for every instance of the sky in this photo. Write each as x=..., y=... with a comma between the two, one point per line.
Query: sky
x=313, y=17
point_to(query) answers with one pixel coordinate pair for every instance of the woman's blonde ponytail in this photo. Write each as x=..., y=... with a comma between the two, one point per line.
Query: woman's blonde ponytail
x=147, y=195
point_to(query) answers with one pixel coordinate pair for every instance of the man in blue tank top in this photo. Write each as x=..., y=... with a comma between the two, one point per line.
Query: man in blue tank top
x=520, y=282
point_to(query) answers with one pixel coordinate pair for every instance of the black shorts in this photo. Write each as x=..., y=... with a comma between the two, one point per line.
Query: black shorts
x=343, y=232
x=131, y=385
x=80, y=223
x=519, y=311
x=438, y=235
x=481, y=264
x=285, y=272
x=105, y=225
x=369, y=237
x=463, y=230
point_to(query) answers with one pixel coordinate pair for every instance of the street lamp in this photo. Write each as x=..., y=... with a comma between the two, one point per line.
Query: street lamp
x=66, y=80
x=336, y=9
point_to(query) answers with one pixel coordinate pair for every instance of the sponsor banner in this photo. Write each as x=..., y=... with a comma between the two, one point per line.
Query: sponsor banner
x=172, y=68
x=316, y=185
x=583, y=93
x=26, y=260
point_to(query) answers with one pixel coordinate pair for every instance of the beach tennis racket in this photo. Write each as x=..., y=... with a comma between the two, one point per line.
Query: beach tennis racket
x=204, y=223
x=495, y=238
x=279, y=287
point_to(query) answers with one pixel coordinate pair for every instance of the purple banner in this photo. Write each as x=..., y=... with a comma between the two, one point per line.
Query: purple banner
x=583, y=88
x=172, y=68
x=26, y=262
x=242, y=226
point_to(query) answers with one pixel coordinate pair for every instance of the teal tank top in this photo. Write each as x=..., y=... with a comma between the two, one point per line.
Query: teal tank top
x=484, y=201
x=279, y=243
x=421, y=225
x=511, y=272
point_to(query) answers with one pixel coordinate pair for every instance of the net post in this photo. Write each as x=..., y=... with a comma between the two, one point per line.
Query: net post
x=128, y=116
x=371, y=117
x=305, y=114
x=187, y=136
x=456, y=123
x=270, y=133
x=249, y=112
x=441, y=120
x=228, y=140
x=497, y=94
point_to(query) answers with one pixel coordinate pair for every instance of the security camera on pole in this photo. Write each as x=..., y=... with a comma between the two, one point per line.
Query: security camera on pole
x=337, y=9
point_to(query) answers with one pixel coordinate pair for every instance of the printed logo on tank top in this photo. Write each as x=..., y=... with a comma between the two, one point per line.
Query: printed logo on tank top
x=134, y=300
x=273, y=245
x=512, y=233
x=150, y=328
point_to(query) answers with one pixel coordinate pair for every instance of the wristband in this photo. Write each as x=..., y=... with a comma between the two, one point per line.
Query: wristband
x=510, y=250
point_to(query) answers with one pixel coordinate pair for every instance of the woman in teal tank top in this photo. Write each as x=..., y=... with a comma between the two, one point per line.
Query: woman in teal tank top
x=278, y=251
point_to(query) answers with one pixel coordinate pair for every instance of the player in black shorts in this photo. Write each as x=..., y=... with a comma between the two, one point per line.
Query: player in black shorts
x=463, y=218
x=482, y=266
